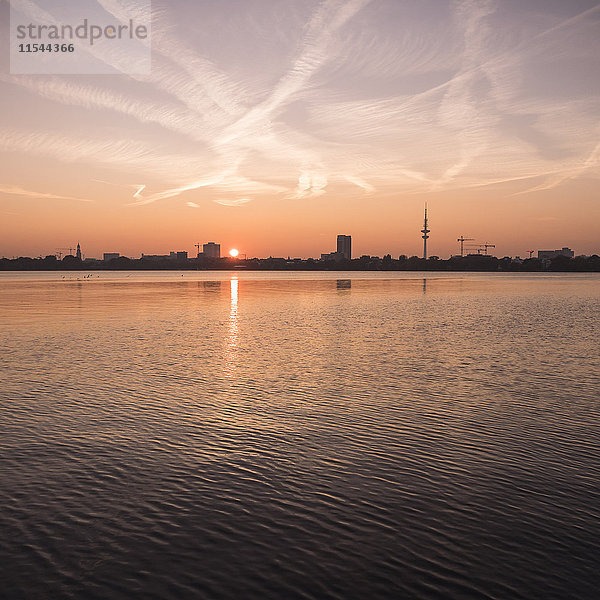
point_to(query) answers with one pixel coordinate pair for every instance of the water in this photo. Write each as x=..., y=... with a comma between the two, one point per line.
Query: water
x=299, y=435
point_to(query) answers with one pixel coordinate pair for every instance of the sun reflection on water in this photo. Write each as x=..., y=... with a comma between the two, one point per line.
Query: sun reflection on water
x=232, y=329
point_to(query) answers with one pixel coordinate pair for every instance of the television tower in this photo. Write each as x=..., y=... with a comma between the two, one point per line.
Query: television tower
x=425, y=233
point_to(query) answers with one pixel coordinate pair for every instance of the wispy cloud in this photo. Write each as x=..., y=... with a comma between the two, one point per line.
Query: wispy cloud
x=428, y=104
x=232, y=201
x=12, y=190
x=589, y=166
x=172, y=117
x=122, y=153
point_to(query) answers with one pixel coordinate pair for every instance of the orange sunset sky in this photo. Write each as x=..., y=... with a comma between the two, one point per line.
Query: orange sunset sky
x=273, y=125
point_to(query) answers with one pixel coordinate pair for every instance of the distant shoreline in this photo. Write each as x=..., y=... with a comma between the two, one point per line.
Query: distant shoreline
x=476, y=263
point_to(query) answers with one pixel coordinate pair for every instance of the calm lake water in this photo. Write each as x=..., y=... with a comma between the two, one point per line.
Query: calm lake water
x=299, y=435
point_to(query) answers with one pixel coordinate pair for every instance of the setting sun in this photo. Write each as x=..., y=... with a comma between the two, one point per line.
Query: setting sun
x=234, y=252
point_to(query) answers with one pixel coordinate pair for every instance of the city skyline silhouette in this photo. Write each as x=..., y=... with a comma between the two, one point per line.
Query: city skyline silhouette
x=277, y=125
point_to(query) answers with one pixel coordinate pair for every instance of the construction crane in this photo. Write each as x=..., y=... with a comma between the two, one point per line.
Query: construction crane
x=197, y=246
x=481, y=248
x=462, y=241
x=61, y=251
x=530, y=252
x=486, y=246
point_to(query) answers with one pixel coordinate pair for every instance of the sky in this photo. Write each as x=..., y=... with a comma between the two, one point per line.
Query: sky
x=273, y=125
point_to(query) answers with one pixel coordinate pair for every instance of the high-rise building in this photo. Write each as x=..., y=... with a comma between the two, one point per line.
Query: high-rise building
x=78, y=254
x=344, y=246
x=211, y=250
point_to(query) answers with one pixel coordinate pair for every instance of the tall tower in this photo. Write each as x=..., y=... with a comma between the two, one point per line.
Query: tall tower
x=78, y=254
x=425, y=233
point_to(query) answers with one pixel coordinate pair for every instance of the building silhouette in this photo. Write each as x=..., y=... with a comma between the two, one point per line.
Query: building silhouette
x=155, y=256
x=344, y=246
x=78, y=253
x=549, y=254
x=110, y=255
x=211, y=250
x=331, y=256
x=173, y=255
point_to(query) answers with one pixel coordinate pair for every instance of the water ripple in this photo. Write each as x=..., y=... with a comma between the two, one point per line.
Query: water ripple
x=325, y=452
